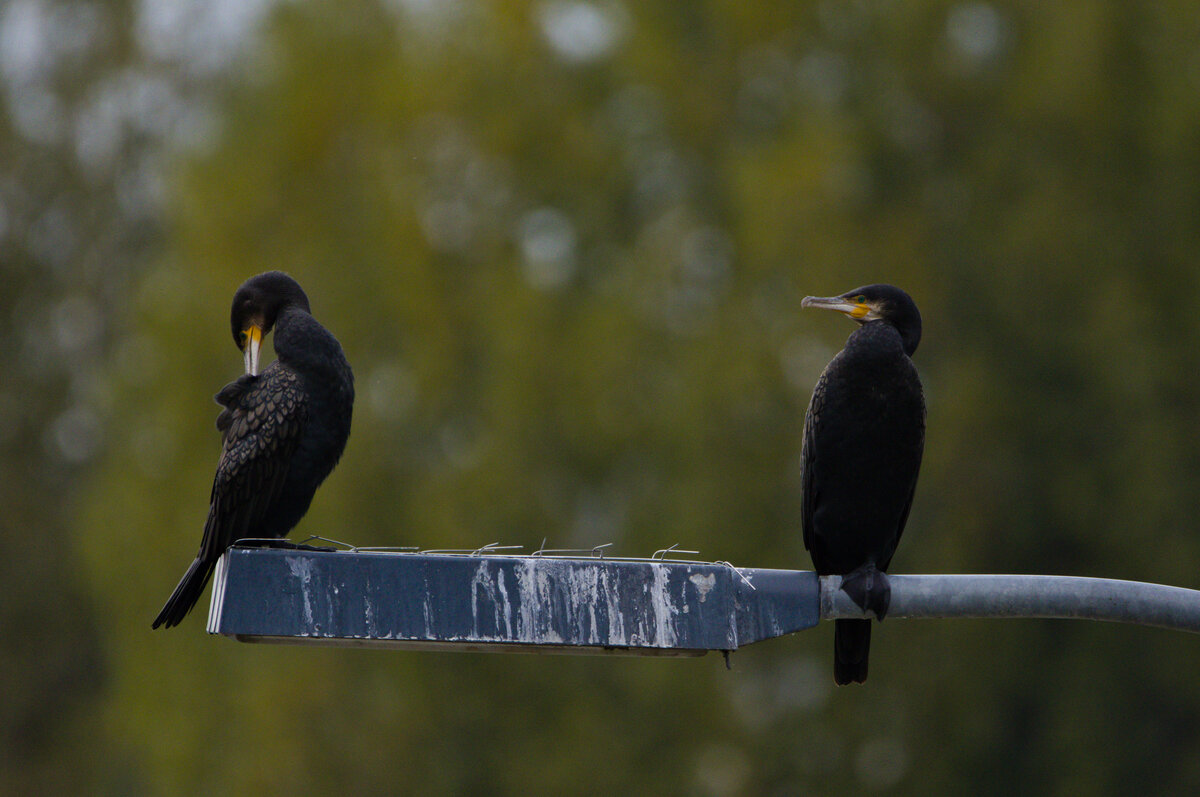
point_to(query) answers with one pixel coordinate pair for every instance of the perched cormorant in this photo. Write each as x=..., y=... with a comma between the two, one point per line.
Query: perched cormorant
x=283, y=429
x=863, y=438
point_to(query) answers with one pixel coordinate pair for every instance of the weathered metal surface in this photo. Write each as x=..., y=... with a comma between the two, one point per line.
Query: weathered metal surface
x=1034, y=596
x=485, y=602
x=588, y=605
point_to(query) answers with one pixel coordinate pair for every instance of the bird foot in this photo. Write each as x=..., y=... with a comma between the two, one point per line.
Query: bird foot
x=296, y=546
x=286, y=545
x=868, y=587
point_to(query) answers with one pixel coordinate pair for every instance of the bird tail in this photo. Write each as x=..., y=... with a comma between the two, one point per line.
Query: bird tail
x=186, y=593
x=851, y=645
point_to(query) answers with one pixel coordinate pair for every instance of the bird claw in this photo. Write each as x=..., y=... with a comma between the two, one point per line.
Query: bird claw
x=868, y=586
x=282, y=544
x=318, y=548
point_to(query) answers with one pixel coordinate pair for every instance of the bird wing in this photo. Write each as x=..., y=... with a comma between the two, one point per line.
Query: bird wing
x=912, y=489
x=261, y=424
x=808, y=459
x=230, y=398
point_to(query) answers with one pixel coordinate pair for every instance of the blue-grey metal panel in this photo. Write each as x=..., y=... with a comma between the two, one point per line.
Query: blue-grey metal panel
x=488, y=602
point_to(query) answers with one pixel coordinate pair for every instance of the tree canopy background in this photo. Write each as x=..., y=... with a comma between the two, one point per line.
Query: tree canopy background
x=563, y=244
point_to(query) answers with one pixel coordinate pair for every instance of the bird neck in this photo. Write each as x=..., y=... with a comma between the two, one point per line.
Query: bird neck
x=877, y=339
x=908, y=326
x=303, y=344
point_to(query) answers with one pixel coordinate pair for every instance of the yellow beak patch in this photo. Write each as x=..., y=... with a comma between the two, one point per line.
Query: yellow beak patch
x=251, y=342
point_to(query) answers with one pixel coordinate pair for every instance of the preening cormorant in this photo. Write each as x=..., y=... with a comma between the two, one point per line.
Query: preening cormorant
x=283, y=429
x=863, y=438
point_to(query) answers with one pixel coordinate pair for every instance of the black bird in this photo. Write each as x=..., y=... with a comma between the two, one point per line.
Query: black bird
x=283, y=429
x=863, y=438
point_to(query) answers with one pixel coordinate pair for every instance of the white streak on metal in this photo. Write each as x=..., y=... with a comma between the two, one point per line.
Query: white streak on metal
x=534, y=588
x=664, y=610
x=368, y=607
x=483, y=581
x=527, y=589
x=581, y=585
x=301, y=569
x=546, y=633
x=616, y=617
x=704, y=585
x=507, y=605
x=583, y=593
x=588, y=597
x=427, y=612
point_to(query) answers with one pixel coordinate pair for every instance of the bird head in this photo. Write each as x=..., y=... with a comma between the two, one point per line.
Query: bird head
x=256, y=305
x=885, y=303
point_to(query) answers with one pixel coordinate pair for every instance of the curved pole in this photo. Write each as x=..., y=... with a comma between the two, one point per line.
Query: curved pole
x=1069, y=597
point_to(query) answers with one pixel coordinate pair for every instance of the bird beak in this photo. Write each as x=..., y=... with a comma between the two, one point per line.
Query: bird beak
x=253, y=337
x=839, y=303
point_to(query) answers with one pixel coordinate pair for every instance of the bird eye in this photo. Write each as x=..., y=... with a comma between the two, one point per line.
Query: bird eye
x=860, y=299
x=242, y=339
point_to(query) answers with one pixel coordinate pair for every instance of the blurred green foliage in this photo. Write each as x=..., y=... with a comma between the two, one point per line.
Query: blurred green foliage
x=563, y=244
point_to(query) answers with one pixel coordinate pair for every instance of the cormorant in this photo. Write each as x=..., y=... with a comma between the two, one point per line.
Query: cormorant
x=863, y=438
x=283, y=430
